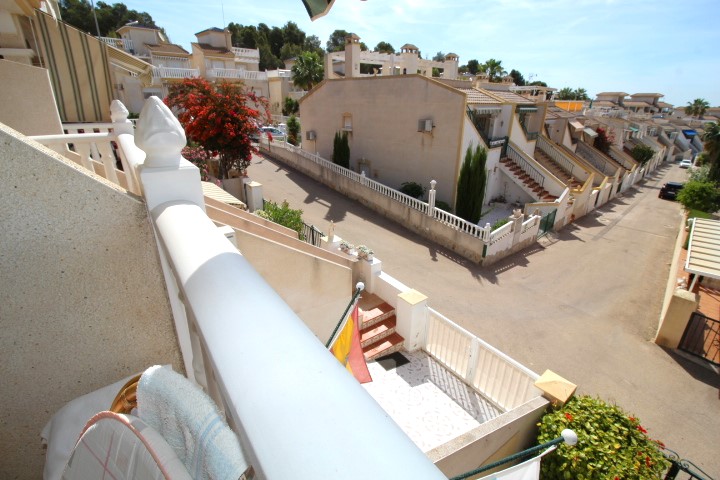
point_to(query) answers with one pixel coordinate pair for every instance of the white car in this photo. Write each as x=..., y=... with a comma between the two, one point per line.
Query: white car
x=686, y=163
x=276, y=134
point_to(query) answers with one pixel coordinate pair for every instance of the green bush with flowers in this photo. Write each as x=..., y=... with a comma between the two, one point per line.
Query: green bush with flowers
x=611, y=444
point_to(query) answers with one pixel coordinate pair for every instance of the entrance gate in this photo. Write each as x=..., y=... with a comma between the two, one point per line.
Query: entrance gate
x=546, y=223
x=702, y=338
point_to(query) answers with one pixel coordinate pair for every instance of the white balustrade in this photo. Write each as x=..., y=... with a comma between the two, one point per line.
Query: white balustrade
x=246, y=53
x=172, y=72
x=286, y=413
x=490, y=372
x=120, y=43
x=530, y=228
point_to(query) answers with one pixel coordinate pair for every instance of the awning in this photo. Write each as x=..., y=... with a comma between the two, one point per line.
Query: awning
x=590, y=131
x=577, y=125
x=216, y=193
x=703, y=257
x=527, y=109
x=486, y=110
x=317, y=8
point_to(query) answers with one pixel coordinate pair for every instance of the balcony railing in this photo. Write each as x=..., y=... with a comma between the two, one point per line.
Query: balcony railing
x=518, y=156
x=499, y=378
x=280, y=410
x=120, y=43
x=171, y=72
x=248, y=55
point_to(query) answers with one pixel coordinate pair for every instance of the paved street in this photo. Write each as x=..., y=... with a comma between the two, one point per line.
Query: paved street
x=584, y=303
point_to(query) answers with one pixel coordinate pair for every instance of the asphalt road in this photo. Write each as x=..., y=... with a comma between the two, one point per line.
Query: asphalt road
x=584, y=303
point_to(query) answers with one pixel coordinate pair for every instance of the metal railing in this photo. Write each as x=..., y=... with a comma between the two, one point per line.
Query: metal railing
x=518, y=157
x=556, y=155
x=678, y=464
x=312, y=235
x=497, y=377
x=586, y=152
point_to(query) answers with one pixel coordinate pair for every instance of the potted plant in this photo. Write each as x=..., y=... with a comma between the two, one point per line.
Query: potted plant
x=346, y=246
x=365, y=252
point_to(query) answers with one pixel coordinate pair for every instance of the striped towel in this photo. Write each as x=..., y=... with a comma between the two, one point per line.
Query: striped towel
x=189, y=421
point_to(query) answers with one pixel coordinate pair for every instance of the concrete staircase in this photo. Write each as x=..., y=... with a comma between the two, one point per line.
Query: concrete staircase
x=554, y=168
x=528, y=184
x=377, y=327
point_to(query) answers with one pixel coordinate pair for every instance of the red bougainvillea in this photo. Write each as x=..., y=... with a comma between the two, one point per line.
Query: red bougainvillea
x=220, y=118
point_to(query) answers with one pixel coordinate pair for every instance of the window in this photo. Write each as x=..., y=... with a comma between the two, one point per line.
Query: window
x=347, y=122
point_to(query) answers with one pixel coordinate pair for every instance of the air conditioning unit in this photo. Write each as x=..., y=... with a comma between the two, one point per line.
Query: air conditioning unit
x=310, y=135
x=425, y=125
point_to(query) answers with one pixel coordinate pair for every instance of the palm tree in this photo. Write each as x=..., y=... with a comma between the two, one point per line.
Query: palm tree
x=308, y=70
x=494, y=70
x=580, y=94
x=697, y=107
x=565, y=94
x=711, y=142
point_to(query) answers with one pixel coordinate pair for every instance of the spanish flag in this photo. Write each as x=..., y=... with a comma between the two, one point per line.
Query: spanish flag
x=347, y=349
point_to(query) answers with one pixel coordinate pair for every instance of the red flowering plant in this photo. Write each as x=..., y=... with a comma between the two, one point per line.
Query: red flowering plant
x=611, y=443
x=220, y=118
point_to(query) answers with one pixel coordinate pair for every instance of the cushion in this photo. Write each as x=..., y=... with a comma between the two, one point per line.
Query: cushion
x=122, y=446
x=64, y=428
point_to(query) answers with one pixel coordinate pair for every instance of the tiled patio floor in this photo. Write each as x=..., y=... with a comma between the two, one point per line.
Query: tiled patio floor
x=430, y=404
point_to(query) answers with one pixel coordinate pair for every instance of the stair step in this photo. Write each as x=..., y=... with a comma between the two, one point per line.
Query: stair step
x=378, y=331
x=386, y=346
x=375, y=315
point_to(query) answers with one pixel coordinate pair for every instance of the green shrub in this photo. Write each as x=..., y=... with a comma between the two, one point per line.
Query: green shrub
x=697, y=195
x=412, y=189
x=283, y=215
x=471, y=185
x=611, y=444
x=290, y=106
x=499, y=224
x=341, y=150
x=642, y=153
x=443, y=206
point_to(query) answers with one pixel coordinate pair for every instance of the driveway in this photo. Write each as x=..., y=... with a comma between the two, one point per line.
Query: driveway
x=584, y=303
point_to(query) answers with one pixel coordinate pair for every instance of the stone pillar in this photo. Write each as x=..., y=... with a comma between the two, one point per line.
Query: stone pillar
x=254, y=195
x=119, y=116
x=682, y=304
x=517, y=220
x=412, y=315
x=166, y=176
x=555, y=388
x=431, y=199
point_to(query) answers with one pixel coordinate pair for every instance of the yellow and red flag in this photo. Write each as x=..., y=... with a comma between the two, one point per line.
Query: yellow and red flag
x=347, y=349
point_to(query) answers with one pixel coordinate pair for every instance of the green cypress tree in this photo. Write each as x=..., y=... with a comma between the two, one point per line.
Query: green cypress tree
x=471, y=185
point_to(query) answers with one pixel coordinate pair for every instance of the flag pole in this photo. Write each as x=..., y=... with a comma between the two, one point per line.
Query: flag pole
x=358, y=288
x=566, y=436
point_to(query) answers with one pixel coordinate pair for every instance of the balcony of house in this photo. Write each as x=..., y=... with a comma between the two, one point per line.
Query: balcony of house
x=235, y=74
x=120, y=43
x=457, y=401
x=160, y=74
x=246, y=55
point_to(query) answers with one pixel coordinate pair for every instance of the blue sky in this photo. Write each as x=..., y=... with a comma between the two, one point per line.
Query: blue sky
x=664, y=46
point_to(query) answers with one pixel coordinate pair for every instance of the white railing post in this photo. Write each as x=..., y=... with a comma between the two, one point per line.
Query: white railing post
x=123, y=126
x=431, y=198
x=167, y=177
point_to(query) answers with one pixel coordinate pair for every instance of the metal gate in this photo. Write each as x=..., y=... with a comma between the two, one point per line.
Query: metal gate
x=701, y=338
x=312, y=235
x=546, y=223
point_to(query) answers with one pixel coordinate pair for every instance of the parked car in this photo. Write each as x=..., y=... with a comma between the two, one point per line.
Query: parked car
x=274, y=132
x=670, y=190
x=685, y=163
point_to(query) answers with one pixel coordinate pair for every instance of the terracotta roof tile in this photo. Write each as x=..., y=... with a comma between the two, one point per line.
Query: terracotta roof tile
x=475, y=96
x=166, y=48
